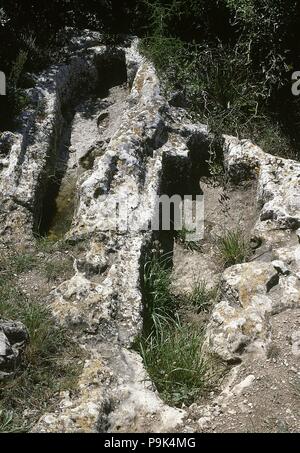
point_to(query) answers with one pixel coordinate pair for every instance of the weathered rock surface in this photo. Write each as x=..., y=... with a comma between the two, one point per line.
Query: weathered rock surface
x=13, y=339
x=256, y=323
x=123, y=147
x=102, y=303
x=253, y=292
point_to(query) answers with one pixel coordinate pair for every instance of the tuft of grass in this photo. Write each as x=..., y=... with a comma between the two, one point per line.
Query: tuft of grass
x=6, y=422
x=158, y=300
x=47, y=367
x=234, y=248
x=202, y=296
x=46, y=244
x=175, y=363
x=17, y=263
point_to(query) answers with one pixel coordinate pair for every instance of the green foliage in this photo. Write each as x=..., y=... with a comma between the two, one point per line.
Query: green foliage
x=6, y=419
x=182, y=236
x=44, y=244
x=189, y=20
x=231, y=58
x=16, y=263
x=46, y=368
x=44, y=337
x=17, y=68
x=234, y=248
x=175, y=363
x=230, y=80
x=221, y=87
x=269, y=28
x=172, y=350
x=159, y=302
x=22, y=262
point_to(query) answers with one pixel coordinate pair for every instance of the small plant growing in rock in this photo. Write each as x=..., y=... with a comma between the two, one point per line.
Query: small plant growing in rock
x=202, y=296
x=234, y=248
x=159, y=301
x=171, y=348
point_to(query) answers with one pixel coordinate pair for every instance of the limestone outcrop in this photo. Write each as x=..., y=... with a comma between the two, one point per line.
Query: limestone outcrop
x=254, y=291
x=13, y=339
x=101, y=139
x=102, y=303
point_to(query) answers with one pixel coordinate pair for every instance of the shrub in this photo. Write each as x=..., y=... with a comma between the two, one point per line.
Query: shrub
x=238, y=79
x=232, y=58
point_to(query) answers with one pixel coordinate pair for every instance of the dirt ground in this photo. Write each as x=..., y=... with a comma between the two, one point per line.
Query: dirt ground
x=224, y=209
x=267, y=396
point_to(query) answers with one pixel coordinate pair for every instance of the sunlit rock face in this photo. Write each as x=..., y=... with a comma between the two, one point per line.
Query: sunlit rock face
x=253, y=292
x=98, y=130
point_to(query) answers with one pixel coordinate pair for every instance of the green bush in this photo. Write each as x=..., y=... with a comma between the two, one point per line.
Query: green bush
x=233, y=78
x=232, y=58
